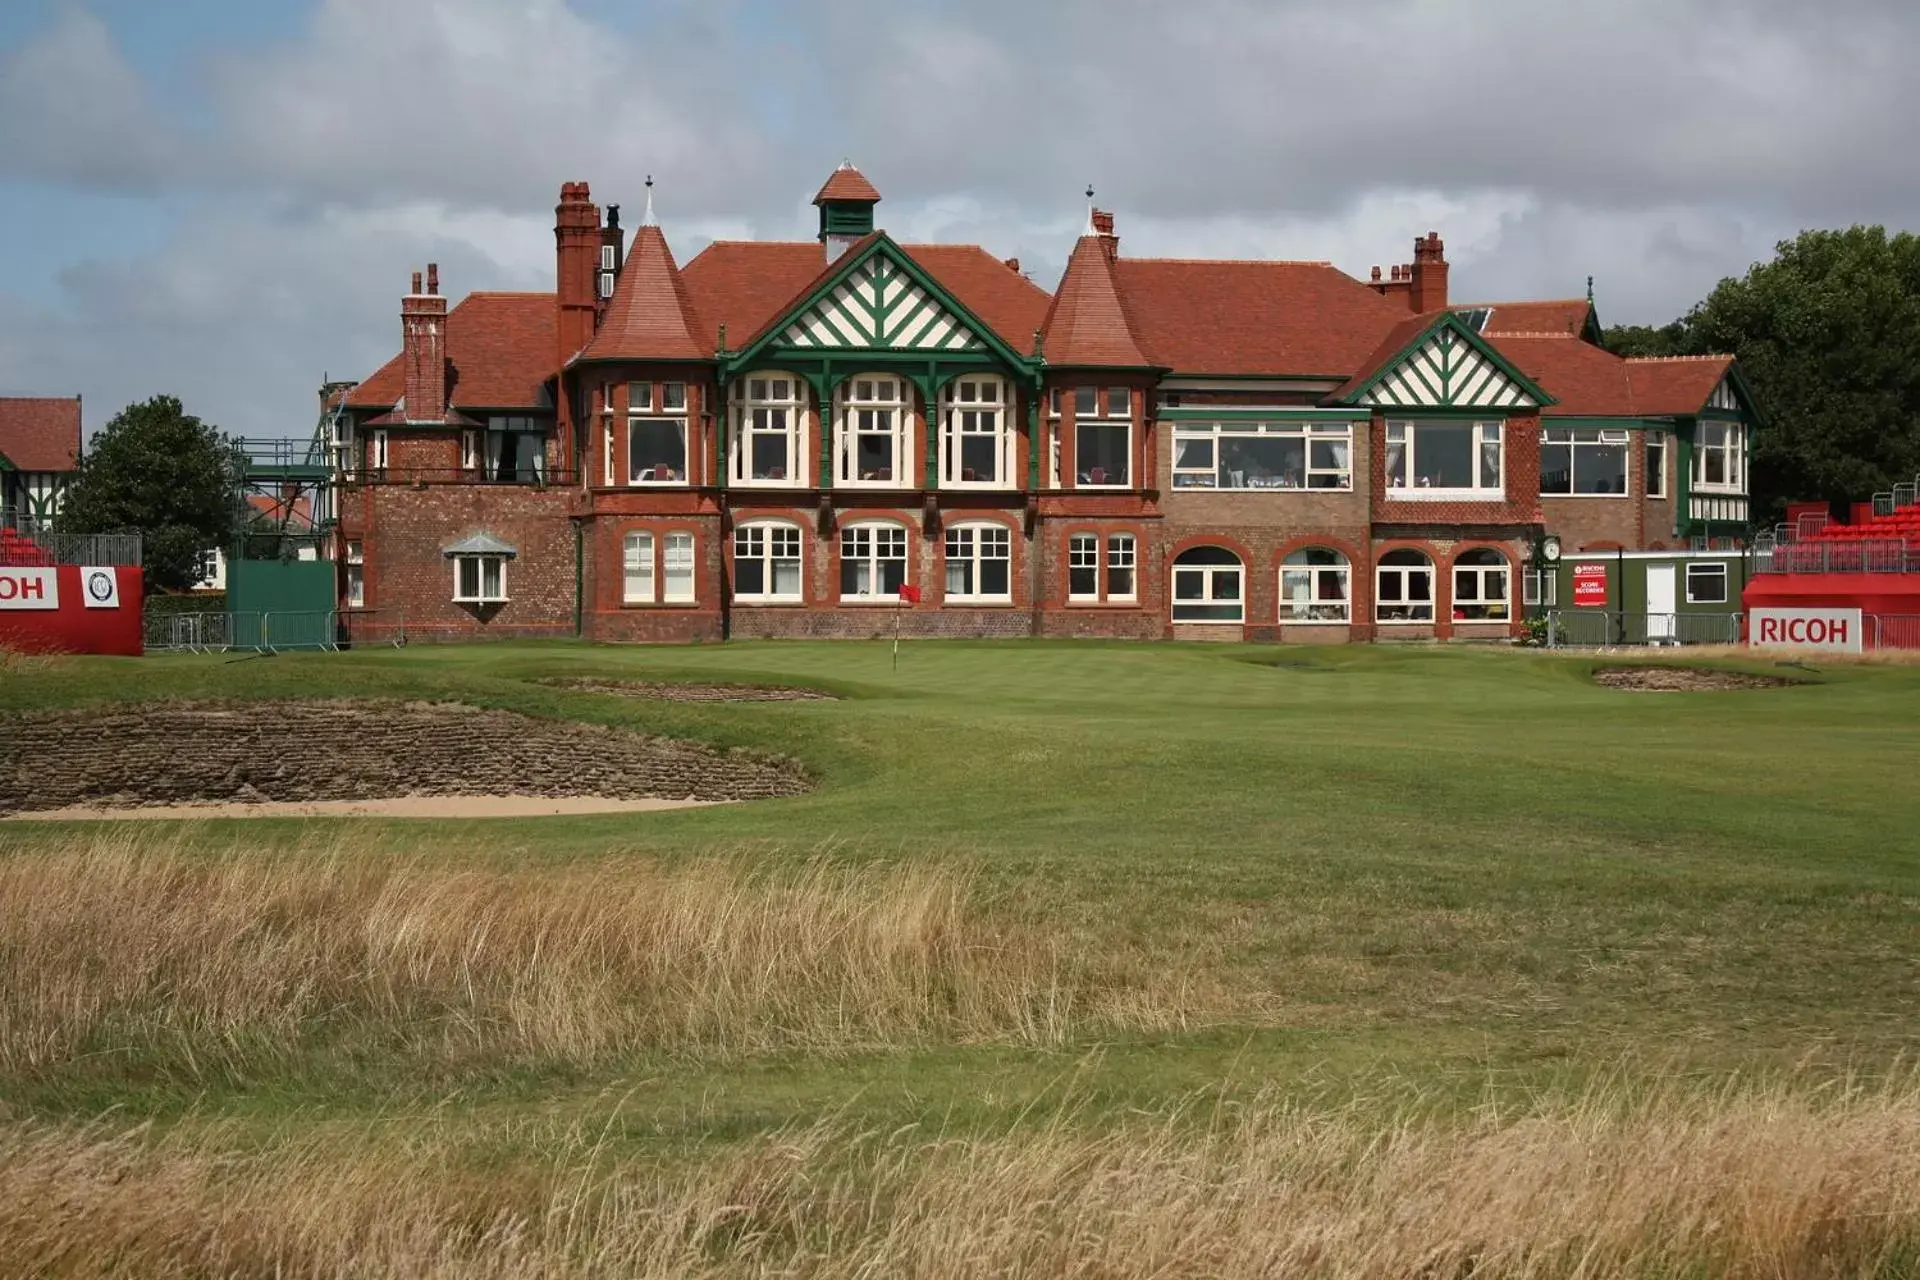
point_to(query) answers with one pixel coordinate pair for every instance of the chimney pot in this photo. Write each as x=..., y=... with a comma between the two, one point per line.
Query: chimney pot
x=1013, y=265
x=433, y=278
x=416, y=284
x=1376, y=275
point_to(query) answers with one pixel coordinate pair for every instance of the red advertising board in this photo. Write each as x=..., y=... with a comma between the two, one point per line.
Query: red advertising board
x=1590, y=586
x=71, y=609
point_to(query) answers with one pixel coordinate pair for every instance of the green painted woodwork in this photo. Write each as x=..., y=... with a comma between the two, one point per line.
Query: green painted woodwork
x=1447, y=322
x=846, y=218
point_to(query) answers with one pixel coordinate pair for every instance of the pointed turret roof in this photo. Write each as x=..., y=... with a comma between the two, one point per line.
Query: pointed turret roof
x=651, y=316
x=847, y=183
x=1087, y=325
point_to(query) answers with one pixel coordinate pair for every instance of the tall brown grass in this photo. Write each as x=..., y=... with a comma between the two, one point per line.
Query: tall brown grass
x=117, y=949
x=1761, y=1182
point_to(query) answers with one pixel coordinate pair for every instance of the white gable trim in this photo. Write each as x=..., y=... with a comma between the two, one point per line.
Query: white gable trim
x=1723, y=397
x=1447, y=372
x=880, y=307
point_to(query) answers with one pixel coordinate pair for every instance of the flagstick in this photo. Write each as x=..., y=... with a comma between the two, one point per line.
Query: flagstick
x=896, y=636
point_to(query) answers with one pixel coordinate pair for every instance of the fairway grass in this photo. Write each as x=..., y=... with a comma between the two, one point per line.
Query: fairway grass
x=1147, y=956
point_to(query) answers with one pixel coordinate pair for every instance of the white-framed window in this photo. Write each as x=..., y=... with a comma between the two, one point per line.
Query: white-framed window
x=636, y=562
x=870, y=448
x=979, y=562
x=656, y=450
x=1103, y=568
x=1540, y=587
x=639, y=397
x=873, y=561
x=1482, y=583
x=1656, y=464
x=1102, y=437
x=1208, y=586
x=1403, y=587
x=1707, y=583
x=768, y=410
x=766, y=562
x=513, y=451
x=1720, y=456
x=673, y=397
x=677, y=561
x=976, y=434
x=1583, y=462
x=606, y=258
x=356, y=575
x=606, y=445
x=377, y=449
x=1263, y=455
x=1439, y=460
x=1314, y=584
x=479, y=579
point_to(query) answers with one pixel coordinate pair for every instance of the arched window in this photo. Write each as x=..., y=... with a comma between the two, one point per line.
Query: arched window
x=979, y=562
x=768, y=410
x=873, y=561
x=636, y=556
x=871, y=444
x=1313, y=586
x=976, y=435
x=1207, y=586
x=766, y=562
x=1403, y=587
x=1480, y=586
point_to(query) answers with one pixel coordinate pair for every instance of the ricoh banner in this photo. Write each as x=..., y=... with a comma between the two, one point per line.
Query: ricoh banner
x=1835, y=630
x=29, y=588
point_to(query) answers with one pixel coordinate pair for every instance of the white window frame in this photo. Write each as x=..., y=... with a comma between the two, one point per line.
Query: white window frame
x=493, y=461
x=760, y=413
x=673, y=397
x=1316, y=609
x=858, y=396
x=606, y=257
x=639, y=575
x=377, y=449
x=1211, y=575
x=1499, y=608
x=1732, y=451
x=678, y=568
x=481, y=594
x=1100, y=412
x=1192, y=440
x=1654, y=459
x=639, y=398
x=1405, y=575
x=978, y=536
x=356, y=574
x=1540, y=588
x=648, y=479
x=963, y=412
x=1573, y=441
x=875, y=533
x=1404, y=433
x=757, y=541
x=1710, y=569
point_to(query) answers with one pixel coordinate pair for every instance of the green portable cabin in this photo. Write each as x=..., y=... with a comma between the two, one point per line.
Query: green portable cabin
x=1643, y=597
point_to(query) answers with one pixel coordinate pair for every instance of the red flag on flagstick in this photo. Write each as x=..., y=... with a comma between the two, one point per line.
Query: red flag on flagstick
x=909, y=594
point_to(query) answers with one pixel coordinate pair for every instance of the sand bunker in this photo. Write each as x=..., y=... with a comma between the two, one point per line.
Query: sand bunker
x=690, y=692
x=1682, y=680
x=242, y=756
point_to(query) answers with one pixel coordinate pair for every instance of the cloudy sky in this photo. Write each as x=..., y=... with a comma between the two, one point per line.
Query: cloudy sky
x=222, y=199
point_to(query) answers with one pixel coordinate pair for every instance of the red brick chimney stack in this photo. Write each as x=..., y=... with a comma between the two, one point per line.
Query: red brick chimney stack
x=1429, y=273
x=423, y=331
x=1109, y=239
x=576, y=236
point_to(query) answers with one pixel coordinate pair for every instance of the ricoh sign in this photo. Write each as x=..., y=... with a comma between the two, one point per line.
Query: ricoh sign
x=1835, y=630
x=29, y=588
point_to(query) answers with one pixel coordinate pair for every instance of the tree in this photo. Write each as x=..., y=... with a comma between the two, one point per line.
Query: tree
x=1828, y=338
x=157, y=470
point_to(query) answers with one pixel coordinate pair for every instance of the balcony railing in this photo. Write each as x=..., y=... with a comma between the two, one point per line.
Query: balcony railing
x=523, y=477
x=1839, y=555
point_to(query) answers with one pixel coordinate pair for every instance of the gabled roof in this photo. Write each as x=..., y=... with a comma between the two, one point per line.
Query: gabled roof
x=39, y=433
x=1435, y=359
x=1086, y=324
x=500, y=347
x=480, y=544
x=847, y=183
x=1674, y=386
x=1281, y=319
x=651, y=315
x=1556, y=316
x=1588, y=381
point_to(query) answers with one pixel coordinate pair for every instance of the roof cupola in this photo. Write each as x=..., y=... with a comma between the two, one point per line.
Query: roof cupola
x=846, y=203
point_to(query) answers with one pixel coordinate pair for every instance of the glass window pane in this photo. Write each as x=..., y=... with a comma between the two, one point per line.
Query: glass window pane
x=1443, y=456
x=1083, y=402
x=1100, y=453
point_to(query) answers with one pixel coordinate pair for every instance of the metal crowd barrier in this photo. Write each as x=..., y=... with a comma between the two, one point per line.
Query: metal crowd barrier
x=221, y=631
x=1602, y=629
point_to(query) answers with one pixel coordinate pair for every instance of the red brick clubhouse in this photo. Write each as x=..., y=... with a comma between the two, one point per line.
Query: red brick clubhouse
x=773, y=438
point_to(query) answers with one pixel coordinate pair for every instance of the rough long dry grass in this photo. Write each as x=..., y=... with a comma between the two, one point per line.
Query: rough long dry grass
x=1777, y=1181
x=117, y=949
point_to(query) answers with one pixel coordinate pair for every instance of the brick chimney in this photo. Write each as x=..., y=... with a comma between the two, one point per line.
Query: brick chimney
x=576, y=237
x=1429, y=291
x=1109, y=238
x=1398, y=285
x=423, y=327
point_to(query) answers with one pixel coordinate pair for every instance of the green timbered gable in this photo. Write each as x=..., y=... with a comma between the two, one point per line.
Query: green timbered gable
x=1448, y=366
x=879, y=306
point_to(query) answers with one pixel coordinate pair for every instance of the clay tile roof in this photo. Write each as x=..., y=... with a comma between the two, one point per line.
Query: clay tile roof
x=846, y=183
x=1586, y=380
x=40, y=434
x=1563, y=315
x=1013, y=306
x=501, y=348
x=1667, y=386
x=1087, y=325
x=1395, y=340
x=1275, y=318
x=651, y=315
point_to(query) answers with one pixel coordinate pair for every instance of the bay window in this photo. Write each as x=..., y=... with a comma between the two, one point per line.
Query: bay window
x=979, y=562
x=1437, y=460
x=1262, y=455
x=1103, y=437
x=1403, y=587
x=1313, y=586
x=479, y=579
x=871, y=448
x=1207, y=586
x=766, y=562
x=873, y=561
x=1583, y=462
x=656, y=450
x=768, y=412
x=1720, y=457
x=976, y=435
x=1481, y=582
